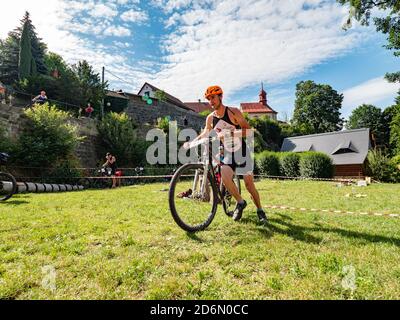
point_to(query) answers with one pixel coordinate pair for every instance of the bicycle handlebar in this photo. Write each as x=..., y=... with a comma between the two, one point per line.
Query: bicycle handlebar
x=197, y=143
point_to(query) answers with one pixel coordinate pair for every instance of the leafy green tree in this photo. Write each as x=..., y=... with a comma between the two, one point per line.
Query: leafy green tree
x=387, y=22
x=66, y=86
x=91, y=88
x=395, y=134
x=54, y=61
x=160, y=95
x=386, y=120
x=317, y=108
x=368, y=116
x=269, y=130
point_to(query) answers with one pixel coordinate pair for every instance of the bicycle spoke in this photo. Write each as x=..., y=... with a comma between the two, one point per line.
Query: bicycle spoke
x=192, y=199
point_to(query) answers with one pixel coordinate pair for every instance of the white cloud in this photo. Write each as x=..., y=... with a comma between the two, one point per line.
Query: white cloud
x=117, y=31
x=137, y=16
x=103, y=11
x=170, y=5
x=234, y=43
x=54, y=23
x=374, y=91
x=238, y=43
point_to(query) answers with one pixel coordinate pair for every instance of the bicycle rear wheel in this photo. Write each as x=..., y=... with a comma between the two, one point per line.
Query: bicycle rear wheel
x=8, y=186
x=193, y=198
x=228, y=201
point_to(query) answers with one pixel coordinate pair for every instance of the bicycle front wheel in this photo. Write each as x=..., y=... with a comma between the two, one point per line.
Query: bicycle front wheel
x=8, y=186
x=193, y=198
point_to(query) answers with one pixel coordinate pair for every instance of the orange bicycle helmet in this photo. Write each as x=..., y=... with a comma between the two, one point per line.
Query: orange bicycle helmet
x=214, y=90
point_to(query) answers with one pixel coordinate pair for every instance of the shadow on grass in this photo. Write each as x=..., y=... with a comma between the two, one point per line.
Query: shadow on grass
x=302, y=233
x=195, y=237
x=13, y=202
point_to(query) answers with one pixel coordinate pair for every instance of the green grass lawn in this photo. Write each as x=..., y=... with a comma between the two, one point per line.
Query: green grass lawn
x=124, y=244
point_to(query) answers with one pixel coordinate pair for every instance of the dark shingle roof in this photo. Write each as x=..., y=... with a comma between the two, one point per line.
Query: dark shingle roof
x=343, y=147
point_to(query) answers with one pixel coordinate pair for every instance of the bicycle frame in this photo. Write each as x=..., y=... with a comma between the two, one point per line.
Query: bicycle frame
x=207, y=159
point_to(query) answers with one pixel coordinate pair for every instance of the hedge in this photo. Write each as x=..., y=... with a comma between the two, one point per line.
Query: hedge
x=316, y=165
x=290, y=164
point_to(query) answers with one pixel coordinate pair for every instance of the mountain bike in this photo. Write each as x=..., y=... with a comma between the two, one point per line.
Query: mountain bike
x=196, y=189
x=8, y=184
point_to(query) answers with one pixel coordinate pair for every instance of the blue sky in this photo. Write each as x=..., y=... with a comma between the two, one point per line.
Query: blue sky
x=183, y=46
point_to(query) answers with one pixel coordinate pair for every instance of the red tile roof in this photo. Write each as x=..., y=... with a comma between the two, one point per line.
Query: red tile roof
x=256, y=107
x=198, y=106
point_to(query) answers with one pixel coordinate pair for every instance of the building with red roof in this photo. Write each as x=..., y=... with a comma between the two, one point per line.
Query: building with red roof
x=258, y=109
x=199, y=106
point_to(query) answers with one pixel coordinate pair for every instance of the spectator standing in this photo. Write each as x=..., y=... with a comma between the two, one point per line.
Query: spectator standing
x=89, y=110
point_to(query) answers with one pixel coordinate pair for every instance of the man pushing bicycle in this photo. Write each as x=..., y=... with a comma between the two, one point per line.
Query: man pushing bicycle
x=232, y=128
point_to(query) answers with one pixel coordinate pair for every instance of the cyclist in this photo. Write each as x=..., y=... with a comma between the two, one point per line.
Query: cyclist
x=231, y=120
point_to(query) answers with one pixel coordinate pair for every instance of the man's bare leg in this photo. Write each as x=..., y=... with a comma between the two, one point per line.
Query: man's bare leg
x=251, y=187
x=255, y=196
x=227, y=180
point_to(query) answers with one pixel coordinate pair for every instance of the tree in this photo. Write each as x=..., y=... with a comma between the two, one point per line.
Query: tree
x=9, y=56
x=91, y=87
x=368, y=116
x=37, y=46
x=26, y=64
x=317, y=107
x=395, y=134
x=66, y=86
x=389, y=24
x=269, y=130
x=160, y=95
x=387, y=117
x=10, y=50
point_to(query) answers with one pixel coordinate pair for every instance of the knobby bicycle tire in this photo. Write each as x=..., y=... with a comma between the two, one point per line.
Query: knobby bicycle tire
x=202, y=226
x=14, y=186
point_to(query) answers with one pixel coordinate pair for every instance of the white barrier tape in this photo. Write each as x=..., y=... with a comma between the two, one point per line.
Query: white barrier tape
x=302, y=178
x=377, y=214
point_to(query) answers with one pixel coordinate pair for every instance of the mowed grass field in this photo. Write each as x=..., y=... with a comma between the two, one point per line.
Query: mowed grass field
x=124, y=244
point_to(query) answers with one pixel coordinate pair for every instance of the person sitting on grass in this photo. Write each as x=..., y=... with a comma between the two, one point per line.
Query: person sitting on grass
x=40, y=99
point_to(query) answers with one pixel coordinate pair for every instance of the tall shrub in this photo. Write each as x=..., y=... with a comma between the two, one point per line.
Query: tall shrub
x=379, y=166
x=47, y=138
x=119, y=137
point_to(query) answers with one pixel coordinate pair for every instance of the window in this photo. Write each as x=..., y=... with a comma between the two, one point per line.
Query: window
x=345, y=147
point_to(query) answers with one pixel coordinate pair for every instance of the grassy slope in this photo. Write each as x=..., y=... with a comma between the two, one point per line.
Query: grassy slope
x=123, y=244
